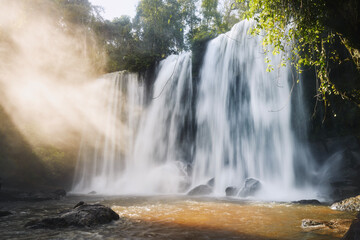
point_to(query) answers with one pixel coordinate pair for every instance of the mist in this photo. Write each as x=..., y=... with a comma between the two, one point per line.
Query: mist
x=50, y=93
x=48, y=82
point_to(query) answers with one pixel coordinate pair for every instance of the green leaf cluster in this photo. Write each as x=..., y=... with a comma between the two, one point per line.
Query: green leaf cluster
x=299, y=27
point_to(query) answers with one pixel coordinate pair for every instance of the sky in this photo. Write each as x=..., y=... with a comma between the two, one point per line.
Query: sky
x=117, y=8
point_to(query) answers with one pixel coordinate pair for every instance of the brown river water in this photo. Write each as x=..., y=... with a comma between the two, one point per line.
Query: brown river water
x=176, y=217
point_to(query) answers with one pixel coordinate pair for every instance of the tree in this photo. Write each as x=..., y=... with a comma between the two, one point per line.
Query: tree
x=211, y=16
x=190, y=18
x=118, y=41
x=80, y=19
x=310, y=29
x=158, y=24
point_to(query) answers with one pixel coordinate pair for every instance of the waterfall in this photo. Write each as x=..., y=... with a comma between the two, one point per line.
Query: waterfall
x=235, y=124
x=105, y=152
x=158, y=163
x=244, y=118
x=141, y=153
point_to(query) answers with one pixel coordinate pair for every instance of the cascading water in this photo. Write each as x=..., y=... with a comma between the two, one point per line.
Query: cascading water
x=244, y=118
x=152, y=161
x=238, y=126
x=105, y=152
x=157, y=165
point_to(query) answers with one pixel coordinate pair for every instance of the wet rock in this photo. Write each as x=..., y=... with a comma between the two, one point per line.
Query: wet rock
x=83, y=215
x=251, y=186
x=231, y=191
x=335, y=225
x=308, y=201
x=200, y=190
x=92, y=192
x=349, y=204
x=79, y=204
x=305, y=223
x=211, y=182
x=5, y=213
x=341, y=173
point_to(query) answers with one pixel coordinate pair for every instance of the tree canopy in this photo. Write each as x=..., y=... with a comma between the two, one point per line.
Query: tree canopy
x=314, y=31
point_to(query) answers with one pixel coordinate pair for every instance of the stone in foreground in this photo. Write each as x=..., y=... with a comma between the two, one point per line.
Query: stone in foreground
x=83, y=215
x=335, y=225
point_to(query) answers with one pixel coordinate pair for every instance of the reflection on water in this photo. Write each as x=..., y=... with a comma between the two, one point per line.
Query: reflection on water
x=177, y=218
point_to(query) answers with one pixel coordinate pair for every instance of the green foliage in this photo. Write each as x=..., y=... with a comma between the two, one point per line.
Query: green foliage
x=211, y=16
x=159, y=27
x=299, y=26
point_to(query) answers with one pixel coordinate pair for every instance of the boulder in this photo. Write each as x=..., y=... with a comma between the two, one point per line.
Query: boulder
x=200, y=190
x=83, y=215
x=92, y=192
x=5, y=213
x=308, y=201
x=79, y=204
x=306, y=223
x=251, y=186
x=349, y=204
x=231, y=191
x=211, y=182
x=336, y=225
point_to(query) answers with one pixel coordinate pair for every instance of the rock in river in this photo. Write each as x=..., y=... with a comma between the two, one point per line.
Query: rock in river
x=349, y=204
x=231, y=191
x=308, y=201
x=335, y=225
x=5, y=213
x=204, y=189
x=83, y=215
x=200, y=190
x=251, y=186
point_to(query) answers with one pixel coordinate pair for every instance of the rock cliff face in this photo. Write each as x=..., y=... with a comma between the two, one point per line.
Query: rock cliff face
x=339, y=166
x=19, y=166
x=343, y=17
